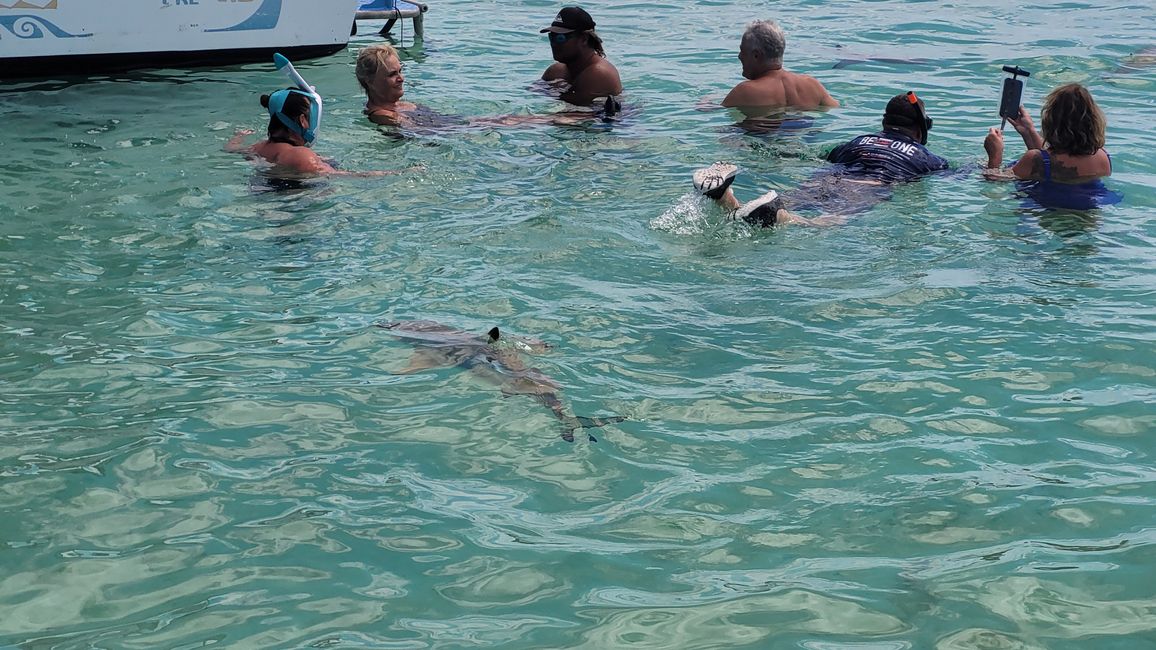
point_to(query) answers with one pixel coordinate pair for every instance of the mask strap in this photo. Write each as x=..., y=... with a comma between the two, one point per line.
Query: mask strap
x=921, y=120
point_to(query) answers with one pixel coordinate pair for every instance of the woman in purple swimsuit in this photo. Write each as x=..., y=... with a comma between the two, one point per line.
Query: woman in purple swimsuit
x=1063, y=167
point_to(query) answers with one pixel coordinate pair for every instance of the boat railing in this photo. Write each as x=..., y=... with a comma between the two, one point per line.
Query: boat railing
x=392, y=11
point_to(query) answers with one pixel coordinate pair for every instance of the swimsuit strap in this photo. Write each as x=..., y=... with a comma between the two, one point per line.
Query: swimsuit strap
x=1109, y=160
x=1047, y=164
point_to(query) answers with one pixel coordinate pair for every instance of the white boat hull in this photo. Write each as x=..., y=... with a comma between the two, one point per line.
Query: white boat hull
x=41, y=37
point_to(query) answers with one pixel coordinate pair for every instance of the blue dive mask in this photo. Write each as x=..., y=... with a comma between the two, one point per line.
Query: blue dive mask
x=277, y=106
x=277, y=100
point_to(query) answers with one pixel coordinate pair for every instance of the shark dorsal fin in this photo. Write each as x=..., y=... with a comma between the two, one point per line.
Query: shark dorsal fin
x=494, y=334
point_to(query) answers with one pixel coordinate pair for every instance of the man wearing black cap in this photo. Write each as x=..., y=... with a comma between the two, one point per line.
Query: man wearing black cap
x=866, y=168
x=581, y=65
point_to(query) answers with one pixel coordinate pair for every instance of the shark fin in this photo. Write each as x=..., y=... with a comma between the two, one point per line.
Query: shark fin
x=494, y=334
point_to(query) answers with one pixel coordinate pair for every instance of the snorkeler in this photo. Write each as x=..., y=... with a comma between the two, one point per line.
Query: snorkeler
x=865, y=168
x=294, y=117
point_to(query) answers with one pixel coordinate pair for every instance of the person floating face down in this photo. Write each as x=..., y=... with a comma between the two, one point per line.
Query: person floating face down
x=862, y=173
x=581, y=66
x=293, y=124
x=768, y=84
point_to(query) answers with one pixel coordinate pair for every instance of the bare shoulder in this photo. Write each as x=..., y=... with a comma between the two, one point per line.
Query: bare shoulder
x=267, y=150
x=556, y=71
x=303, y=159
x=384, y=117
x=599, y=79
x=1069, y=168
x=815, y=92
x=1103, y=163
x=811, y=83
x=747, y=93
x=1030, y=166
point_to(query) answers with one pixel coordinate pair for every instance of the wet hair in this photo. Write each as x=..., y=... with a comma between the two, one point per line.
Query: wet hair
x=296, y=105
x=1072, y=123
x=372, y=58
x=766, y=38
x=595, y=42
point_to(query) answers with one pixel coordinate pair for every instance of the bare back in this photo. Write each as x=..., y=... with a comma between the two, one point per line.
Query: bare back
x=780, y=88
x=292, y=157
x=1062, y=167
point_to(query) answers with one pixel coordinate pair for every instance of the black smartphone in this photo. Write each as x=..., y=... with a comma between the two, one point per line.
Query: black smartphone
x=1009, y=103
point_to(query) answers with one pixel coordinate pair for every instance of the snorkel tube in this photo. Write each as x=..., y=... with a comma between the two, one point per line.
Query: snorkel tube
x=276, y=103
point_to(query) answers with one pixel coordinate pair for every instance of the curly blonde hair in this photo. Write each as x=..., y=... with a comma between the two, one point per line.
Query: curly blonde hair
x=372, y=58
x=1072, y=123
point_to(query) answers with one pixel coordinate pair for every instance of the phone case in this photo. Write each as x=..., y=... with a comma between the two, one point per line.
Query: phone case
x=1009, y=104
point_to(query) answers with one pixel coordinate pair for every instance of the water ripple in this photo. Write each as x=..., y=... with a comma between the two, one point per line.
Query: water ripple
x=925, y=428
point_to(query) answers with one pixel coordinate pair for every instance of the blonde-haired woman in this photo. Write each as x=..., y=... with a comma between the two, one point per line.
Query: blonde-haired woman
x=380, y=75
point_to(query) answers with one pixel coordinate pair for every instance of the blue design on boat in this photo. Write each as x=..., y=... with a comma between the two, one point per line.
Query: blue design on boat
x=265, y=17
x=27, y=27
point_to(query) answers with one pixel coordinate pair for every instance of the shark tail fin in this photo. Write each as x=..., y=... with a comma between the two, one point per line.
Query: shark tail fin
x=581, y=422
x=594, y=423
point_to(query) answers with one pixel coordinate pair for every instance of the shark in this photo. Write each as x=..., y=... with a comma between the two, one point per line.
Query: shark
x=1138, y=61
x=870, y=60
x=495, y=357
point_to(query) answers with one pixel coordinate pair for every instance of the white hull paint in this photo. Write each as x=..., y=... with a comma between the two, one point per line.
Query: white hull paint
x=39, y=36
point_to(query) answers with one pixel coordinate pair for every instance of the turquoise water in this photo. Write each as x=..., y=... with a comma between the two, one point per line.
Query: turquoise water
x=927, y=428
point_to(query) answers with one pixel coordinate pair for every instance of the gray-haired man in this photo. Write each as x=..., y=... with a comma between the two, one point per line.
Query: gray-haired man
x=768, y=85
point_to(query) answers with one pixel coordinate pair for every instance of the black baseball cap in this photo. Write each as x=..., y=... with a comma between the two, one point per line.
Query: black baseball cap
x=570, y=19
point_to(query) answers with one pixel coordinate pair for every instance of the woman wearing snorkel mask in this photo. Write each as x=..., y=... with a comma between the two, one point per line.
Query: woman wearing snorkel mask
x=293, y=122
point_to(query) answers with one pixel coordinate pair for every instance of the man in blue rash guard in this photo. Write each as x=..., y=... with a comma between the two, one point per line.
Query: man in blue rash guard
x=865, y=168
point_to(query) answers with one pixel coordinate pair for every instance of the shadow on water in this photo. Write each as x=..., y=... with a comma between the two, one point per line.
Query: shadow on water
x=217, y=75
x=1068, y=224
x=1067, y=233
x=266, y=182
x=779, y=133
